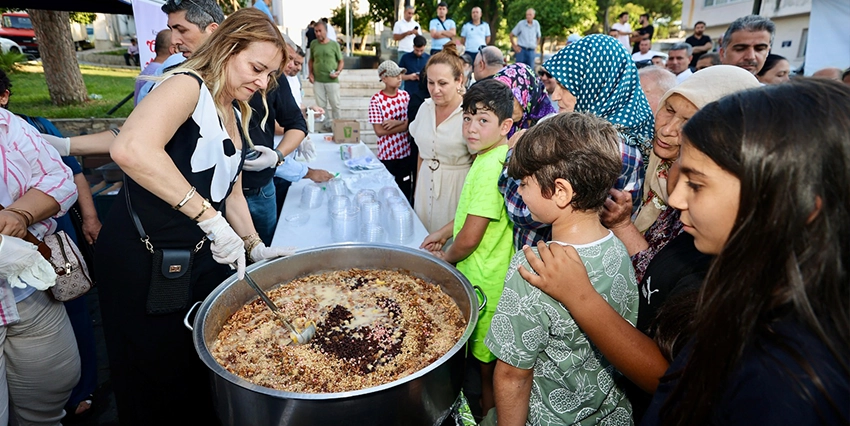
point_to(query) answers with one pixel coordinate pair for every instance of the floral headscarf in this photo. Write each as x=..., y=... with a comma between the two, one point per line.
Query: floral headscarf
x=528, y=91
x=603, y=78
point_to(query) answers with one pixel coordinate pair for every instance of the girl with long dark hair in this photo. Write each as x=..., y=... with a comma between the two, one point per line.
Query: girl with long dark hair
x=765, y=178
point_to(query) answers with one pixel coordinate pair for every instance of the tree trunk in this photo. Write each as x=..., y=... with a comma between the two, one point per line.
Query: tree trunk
x=61, y=70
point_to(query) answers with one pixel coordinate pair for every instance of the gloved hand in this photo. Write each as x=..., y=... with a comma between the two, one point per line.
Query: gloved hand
x=22, y=264
x=306, y=150
x=266, y=159
x=63, y=145
x=226, y=247
x=261, y=252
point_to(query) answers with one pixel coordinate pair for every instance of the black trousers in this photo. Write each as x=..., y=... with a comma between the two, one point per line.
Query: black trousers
x=403, y=170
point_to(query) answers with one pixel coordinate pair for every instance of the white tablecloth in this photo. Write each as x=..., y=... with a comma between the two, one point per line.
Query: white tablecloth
x=317, y=230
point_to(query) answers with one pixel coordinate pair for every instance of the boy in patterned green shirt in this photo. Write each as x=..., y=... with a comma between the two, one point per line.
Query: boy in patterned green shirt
x=483, y=233
x=548, y=372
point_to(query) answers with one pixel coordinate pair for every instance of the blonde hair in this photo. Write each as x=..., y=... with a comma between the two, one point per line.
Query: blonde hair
x=243, y=27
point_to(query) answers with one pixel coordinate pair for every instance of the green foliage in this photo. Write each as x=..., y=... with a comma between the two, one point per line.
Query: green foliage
x=84, y=18
x=230, y=6
x=9, y=61
x=383, y=11
x=113, y=84
x=360, y=24
x=558, y=18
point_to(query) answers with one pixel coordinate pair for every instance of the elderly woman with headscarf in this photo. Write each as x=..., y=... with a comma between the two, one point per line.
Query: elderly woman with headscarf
x=531, y=103
x=676, y=269
x=595, y=75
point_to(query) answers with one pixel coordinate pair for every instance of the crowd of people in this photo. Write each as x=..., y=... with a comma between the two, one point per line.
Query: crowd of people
x=659, y=243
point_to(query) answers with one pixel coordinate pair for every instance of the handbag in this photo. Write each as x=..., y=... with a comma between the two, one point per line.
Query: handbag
x=72, y=274
x=171, y=270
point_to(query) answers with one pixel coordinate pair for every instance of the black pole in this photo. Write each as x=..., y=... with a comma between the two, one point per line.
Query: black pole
x=756, y=7
x=120, y=104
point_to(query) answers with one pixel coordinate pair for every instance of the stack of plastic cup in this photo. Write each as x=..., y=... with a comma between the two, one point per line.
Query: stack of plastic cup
x=371, y=233
x=337, y=203
x=336, y=186
x=365, y=195
x=386, y=192
x=370, y=212
x=344, y=225
x=400, y=223
x=311, y=196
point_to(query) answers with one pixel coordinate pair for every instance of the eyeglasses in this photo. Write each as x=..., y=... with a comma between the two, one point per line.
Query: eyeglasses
x=543, y=74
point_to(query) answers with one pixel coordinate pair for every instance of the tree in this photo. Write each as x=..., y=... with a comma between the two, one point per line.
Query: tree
x=61, y=70
x=558, y=18
x=230, y=6
x=384, y=11
x=360, y=24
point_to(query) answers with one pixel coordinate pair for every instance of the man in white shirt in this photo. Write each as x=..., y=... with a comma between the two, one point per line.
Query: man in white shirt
x=679, y=59
x=644, y=54
x=475, y=34
x=624, y=30
x=404, y=31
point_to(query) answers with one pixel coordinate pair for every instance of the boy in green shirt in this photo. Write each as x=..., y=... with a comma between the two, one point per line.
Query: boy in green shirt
x=548, y=371
x=483, y=233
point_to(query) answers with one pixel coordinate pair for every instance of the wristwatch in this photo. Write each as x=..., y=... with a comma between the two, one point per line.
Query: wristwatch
x=280, y=158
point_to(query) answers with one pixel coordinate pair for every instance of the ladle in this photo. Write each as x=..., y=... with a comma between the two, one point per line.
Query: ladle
x=299, y=338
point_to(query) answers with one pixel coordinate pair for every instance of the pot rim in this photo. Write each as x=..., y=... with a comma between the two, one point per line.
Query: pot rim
x=207, y=358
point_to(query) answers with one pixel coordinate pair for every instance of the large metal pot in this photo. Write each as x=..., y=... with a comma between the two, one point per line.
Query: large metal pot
x=423, y=398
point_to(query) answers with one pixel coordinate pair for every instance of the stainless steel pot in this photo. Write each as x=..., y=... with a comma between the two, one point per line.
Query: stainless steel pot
x=423, y=398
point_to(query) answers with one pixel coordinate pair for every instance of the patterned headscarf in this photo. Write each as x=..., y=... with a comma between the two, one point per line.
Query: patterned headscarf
x=603, y=78
x=528, y=91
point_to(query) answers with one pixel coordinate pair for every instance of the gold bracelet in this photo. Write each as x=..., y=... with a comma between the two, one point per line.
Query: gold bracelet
x=250, y=237
x=28, y=218
x=185, y=199
x=206, y=205
x=250, y=245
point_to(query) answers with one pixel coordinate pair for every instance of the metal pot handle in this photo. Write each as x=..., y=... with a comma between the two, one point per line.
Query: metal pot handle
x=188, y=314
x=483, y=296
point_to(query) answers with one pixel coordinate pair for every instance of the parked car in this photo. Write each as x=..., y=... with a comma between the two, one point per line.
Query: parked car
x=7, y=46
x=17, y=26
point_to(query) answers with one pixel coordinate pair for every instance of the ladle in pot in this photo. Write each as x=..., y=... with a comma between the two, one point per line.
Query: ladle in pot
x=299, y=338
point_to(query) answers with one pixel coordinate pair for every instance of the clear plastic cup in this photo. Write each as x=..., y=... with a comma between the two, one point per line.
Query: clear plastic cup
x=311, y=196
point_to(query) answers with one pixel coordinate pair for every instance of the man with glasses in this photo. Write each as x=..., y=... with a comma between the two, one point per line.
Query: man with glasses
x=488, y=62
x=549, y=83
x=191, y=23
x=474, y=33
x=525, y=37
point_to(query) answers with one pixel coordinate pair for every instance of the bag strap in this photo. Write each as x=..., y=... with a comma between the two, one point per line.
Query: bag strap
x=137, y=222
x=30, y=238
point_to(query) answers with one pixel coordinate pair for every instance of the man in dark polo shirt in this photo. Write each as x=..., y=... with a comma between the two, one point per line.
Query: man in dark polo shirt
x=285, y=116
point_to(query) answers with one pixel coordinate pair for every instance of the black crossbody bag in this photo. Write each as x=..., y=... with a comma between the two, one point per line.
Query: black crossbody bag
x=171, y=270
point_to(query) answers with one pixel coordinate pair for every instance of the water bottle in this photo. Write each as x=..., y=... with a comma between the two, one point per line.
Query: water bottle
x=311, y=121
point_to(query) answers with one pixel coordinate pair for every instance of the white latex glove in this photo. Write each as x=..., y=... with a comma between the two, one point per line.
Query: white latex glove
x=22, y=264
x=226, y=247
x=261, y=252
x=266, y=160
x=306, y=150
x=63, y=145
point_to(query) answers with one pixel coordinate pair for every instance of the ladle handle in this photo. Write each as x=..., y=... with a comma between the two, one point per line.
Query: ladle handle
x=261, y=293
x=269, y=303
